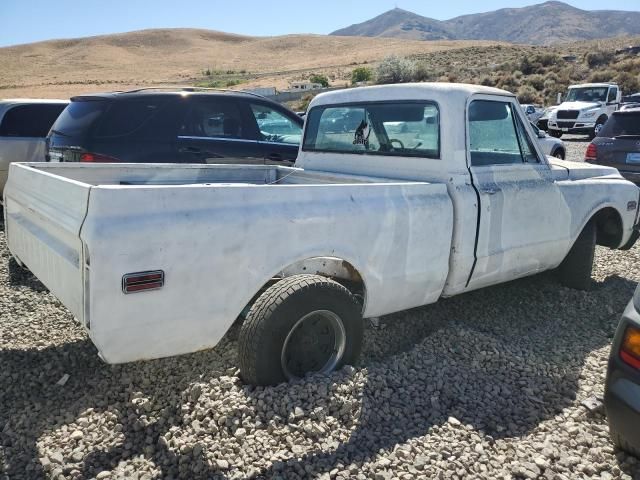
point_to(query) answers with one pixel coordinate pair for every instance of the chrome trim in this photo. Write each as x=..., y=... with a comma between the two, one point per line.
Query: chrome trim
x=224, y=139
x=279, y=143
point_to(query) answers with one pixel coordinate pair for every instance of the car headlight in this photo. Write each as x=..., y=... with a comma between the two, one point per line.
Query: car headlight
x=589, y=113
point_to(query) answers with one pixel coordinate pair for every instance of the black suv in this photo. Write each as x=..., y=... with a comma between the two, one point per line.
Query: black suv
x=618, y=144
x=175, y=126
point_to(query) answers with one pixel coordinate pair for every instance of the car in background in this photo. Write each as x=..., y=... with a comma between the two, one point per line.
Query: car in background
x=622, y=385
x=543, y=120
x=532, y=112
x=175, y=125
x=24, y=124
x=618, y=144
x=551, y=146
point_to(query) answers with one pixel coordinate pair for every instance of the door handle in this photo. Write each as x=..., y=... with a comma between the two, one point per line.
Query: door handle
x=276, y=157
x=490, y=191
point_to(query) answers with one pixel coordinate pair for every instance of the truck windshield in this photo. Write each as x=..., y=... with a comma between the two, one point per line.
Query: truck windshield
x=387, y=128
x=587, y=94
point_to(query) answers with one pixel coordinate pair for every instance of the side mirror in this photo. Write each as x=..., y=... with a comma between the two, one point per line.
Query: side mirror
x=541, y=134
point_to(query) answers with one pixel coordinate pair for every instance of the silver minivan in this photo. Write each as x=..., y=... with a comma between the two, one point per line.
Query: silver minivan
x=24, y=124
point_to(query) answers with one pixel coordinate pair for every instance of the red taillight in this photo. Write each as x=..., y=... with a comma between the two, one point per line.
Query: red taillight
x=592, y=153
x=137, y=282
x=97, y=158
x=630, y=348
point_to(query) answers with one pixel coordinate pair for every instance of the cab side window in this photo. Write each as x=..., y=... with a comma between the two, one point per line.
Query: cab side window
x=275, y=126
x=613, y=94
x=497, y=136
x=213, y=119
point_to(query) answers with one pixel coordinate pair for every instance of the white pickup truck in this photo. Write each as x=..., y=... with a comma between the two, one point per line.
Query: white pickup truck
x=439, y=189
x=585, y=109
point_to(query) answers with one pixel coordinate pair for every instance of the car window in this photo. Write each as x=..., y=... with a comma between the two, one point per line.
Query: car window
x=213, y=119
x=275, y=126
x=125, y=117
x=493, y=135
x=389, y=128
x=78, y=116
x=613, y=93
x=30, y=120
x=627, y=123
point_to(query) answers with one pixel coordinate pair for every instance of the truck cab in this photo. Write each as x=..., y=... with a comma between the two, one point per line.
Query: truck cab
x=585, y=109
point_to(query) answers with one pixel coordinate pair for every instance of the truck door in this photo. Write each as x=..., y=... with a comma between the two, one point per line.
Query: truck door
x=524, y=221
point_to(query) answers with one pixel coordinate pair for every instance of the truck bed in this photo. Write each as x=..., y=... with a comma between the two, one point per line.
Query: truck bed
x=219, y=233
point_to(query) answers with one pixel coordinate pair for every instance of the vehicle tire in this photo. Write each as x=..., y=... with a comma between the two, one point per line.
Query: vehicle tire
x=555, y=133
x=621, y=443
x=575, y=269
x=559, y=153
x=301, y=324
x=598, y=126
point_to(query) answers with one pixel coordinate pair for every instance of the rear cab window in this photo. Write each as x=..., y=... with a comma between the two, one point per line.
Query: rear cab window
x=404, y=129
x=32, y=121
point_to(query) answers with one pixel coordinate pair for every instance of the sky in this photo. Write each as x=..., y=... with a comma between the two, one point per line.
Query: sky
x=25, y=21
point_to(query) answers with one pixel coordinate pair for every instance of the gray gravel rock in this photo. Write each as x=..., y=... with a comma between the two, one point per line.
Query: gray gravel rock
x=502, y=383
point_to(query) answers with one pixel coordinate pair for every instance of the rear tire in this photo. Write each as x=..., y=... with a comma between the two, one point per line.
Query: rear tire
x=620, y=442
x=301, y=324
x=555, y=133
x=559, y=153
x=575, y=270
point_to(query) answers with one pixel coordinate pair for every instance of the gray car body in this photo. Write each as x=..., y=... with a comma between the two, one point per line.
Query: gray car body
x=16, y=148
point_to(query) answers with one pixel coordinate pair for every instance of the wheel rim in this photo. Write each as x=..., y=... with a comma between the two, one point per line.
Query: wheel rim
x=316, y=343
x=597, y=128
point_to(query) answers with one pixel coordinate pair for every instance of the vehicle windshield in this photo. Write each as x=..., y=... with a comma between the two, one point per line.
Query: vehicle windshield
x=621, y=124
x=587, y=94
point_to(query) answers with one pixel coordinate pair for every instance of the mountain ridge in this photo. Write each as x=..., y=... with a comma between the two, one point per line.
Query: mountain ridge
x=541, y=24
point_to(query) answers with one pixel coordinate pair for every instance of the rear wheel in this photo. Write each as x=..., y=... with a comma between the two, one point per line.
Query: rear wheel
x=575, y=269
x=559, y=153
x=302, y=324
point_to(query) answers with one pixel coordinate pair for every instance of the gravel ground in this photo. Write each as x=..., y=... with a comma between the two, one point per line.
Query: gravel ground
x=576, y=146
x=501, y=383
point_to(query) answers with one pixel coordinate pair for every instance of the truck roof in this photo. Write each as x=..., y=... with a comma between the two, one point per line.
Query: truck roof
x=599, y=84
x=435, y=91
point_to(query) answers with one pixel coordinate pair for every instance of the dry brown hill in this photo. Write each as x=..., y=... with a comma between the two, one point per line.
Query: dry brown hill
x=59, y=68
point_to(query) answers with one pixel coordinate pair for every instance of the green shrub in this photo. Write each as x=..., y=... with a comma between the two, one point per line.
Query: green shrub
x=597, y=58
x=394, y=69
x=527, y=94
x=421, y=73
x=628, y=82
x=361, y=74
x=321, y=79
x=536, y=81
